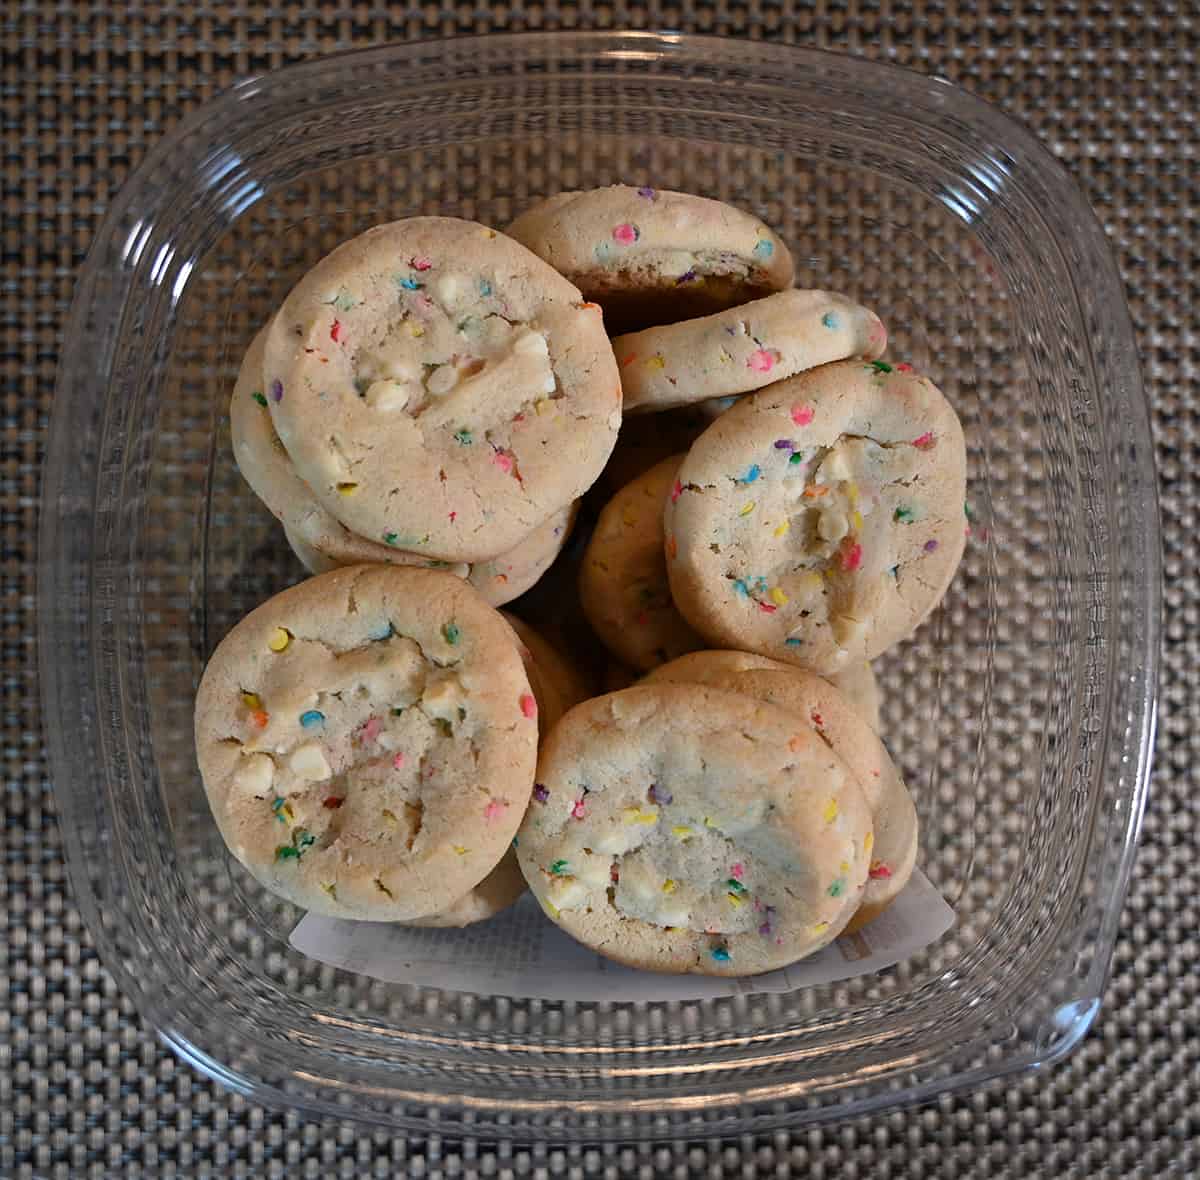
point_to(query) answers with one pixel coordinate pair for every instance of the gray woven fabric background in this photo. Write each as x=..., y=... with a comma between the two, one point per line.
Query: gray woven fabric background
x=85, y=1088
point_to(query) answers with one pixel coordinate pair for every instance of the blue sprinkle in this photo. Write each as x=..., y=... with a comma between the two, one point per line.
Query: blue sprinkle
x=741, y=587
x=409, y=284
x=793, y=642
x=894, y=571
x=751, y=475
x=485, y=288
x=384, y=632
x=721, y=954
x=829, y=320
x=760, y=584
x=312, y=719
x=764, y=248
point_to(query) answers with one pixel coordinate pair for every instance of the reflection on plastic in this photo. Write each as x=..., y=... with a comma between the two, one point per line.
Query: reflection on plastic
x=520, y=953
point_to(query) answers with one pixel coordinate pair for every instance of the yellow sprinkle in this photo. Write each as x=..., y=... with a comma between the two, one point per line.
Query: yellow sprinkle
x=669, y=886
x=390, y=816
x=735, y=901
x=868, y=842
x=461, y=850
x=852, y=494
x=844, y=867
x=331, y=889
x=820, y=927
x=747, y=508
x=287, y=813
x=708, y=822
x=831, y=811
x=347, y=489
x=856, y=520
x=635, y=815
x=251, y=701
x=778, y=597
x=415, y=330
x=489, y=233
x=682, y=832
x=552, y=909
x=781, y=531
x=279, y=639
x=656, y=362
x=810, y=582
x=543, y=406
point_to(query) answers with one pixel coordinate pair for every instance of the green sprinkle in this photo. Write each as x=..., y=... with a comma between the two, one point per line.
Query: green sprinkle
x=796, y=457
x=558, y=867
x=277, y=805
x=735, y=886
x=838, y=887
x=904, y=515
x=286, y=852
x=397, y=712
x=968, y=511
x=258, y=397
x=451, y=633
x=343, y=301
x=880, y=366
x=390, y=538
x=463, y=437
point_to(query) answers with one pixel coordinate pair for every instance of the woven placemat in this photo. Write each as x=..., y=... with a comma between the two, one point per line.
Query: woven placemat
x=87, y=1090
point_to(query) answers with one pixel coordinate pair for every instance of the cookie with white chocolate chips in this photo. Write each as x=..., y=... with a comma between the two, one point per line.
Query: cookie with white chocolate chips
x=650, y=256
x=837, y=720
x=441, y=389
x=820, y=520
x=367, y=741
x=678, y=828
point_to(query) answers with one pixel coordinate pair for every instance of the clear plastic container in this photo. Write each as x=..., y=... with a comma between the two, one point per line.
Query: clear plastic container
x=1022, y=714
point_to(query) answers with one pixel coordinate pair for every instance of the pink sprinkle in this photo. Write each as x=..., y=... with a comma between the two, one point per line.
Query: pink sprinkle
x=767, y=608
x=370, y=729
x=905, y=367
x=625, y=234
x=852, y=557
x=879, y=871
x=528, y=705
x=503, y=461
x=577, y=809
x=802, y=415
x=738, y=870
x=926, y=442
x=762, y=360
x=818, y=721
x=421, y=263
x=398, y=761
x=676, y=491
x=335, y=333
x=494, y=809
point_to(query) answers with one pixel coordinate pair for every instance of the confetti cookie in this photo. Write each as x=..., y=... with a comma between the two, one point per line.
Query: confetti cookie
x=743, y=349
x=820, y=520
x=323, y=543
x=836, y=720
x=648, y=256
x=440, y=389
x=856, y=682
x=623, y=581
x=679, y=828
x=367, y=740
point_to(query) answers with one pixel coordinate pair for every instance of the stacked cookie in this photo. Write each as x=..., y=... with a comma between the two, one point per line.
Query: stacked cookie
x=781, y=507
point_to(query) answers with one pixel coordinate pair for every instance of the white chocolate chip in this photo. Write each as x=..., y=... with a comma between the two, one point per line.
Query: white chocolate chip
x=443, y=379
x=619, y=839
x=847, y=630
x=565, y=892
x=529, y=343
x=255, y=775
x=397, y=363
x=308, y=762
x=448, y=289
x=832, y=525
x=443, y=698
x=835, y=467
x=388, y=395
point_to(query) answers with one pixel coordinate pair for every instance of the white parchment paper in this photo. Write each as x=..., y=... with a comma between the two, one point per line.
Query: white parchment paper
x=521, y=953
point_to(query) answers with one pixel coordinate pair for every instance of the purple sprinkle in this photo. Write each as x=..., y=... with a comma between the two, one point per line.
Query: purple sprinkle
x=768, y=925
x=689, y=277
x=277, y=390
x=784, y=444
x=540, y=793
x=930, y=546
x=647, y=192
x=660, y=795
